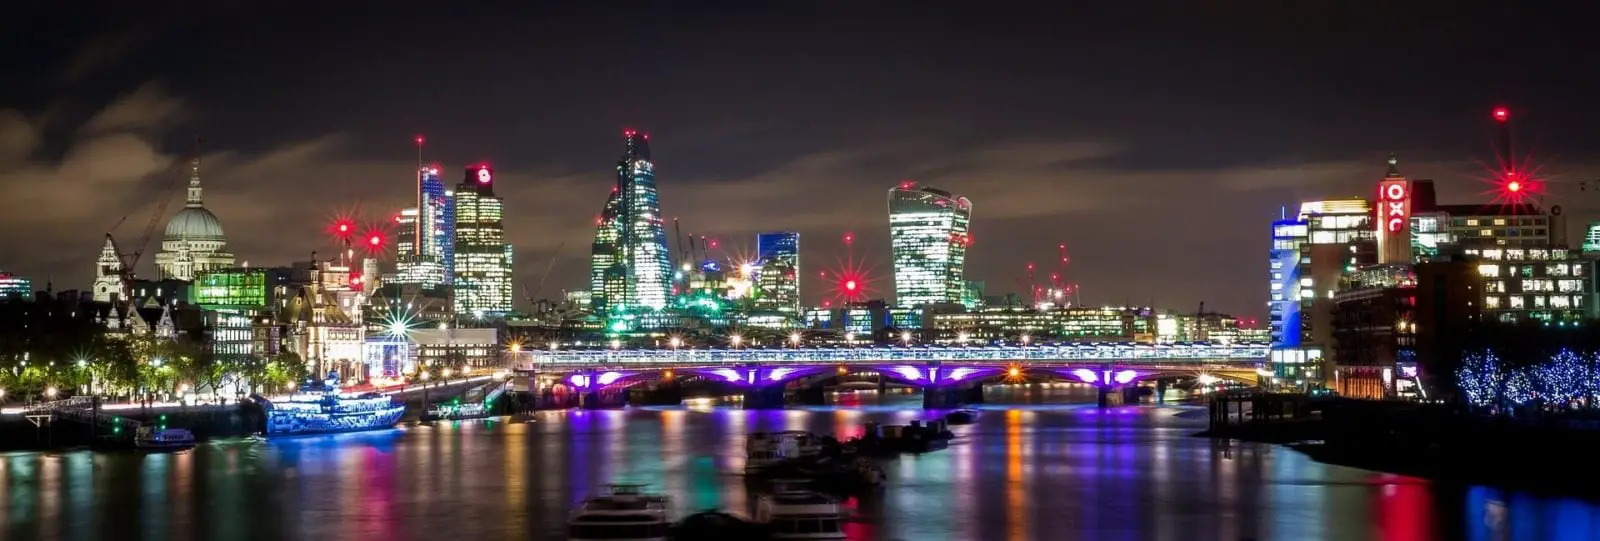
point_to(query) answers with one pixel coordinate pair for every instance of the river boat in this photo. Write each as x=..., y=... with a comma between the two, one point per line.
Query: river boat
x=620, y=513
x=150, y=438
x=766, y=449
x=329, y=413
x=793, y=513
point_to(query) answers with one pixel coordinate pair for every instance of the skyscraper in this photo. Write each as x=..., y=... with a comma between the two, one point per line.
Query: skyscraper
x=640, y=266
x=607, y=282
x=427, y=234
x=778, y=283
x=928, y=237
x=483, y=262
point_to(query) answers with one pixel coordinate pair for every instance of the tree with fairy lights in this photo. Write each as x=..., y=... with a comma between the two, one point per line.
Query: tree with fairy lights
x=1480, y=378
x=1561, y=379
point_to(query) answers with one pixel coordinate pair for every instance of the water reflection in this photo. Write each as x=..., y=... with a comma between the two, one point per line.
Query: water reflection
x=1030, y=471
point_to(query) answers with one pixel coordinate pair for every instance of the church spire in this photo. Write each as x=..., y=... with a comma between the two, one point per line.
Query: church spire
x=1394, y=167
x=194, y=177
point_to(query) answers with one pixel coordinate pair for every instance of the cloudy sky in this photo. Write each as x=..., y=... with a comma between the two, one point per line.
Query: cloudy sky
x=1156, y=141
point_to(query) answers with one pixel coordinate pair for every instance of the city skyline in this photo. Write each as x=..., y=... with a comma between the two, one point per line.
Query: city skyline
x=735, y=167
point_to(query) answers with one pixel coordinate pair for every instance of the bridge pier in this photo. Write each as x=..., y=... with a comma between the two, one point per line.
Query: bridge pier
x=769, y=397
x=595, y=399
x=1161, y=391
x=660, y=394
x=938, y=397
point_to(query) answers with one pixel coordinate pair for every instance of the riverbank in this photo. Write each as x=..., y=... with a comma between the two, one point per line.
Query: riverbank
x=1437, y=443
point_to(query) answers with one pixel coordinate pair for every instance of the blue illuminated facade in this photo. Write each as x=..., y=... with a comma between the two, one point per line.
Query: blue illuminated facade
x=1284, y=297
x=436, y=224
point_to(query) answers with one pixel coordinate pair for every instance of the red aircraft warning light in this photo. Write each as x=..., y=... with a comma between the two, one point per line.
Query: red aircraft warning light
x=1501, y=114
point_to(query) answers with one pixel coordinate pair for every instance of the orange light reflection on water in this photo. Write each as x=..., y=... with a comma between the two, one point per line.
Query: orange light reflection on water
x=1016, y=482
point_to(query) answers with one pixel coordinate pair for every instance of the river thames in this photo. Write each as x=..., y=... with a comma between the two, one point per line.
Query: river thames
x=1033, y=467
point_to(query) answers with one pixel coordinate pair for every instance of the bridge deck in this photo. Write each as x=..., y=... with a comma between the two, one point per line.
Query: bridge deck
x=1195, y=354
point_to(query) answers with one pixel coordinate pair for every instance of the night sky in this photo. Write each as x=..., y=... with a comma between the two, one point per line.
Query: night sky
x=1156, y=140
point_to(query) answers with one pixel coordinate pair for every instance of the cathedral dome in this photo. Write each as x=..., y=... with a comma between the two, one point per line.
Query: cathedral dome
x=195, y=224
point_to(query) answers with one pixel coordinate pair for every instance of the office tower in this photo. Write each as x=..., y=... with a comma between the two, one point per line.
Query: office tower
x=427, y=234
x=1283, y=300
x=928, y=236
x=778, y=281
x=641, y=265
x=607, y=282
x=482, y=262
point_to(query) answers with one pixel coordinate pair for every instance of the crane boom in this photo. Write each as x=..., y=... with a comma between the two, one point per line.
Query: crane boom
x=161, y=210
x=540, y=286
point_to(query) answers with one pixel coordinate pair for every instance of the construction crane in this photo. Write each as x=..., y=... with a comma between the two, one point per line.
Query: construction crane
x=551, y=266
x=130, y=260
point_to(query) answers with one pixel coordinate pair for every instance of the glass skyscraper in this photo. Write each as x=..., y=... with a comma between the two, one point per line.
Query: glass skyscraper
x=778, y=283
x=482, y=257
x=639, y=269
x=607, y=282
x=928, y=237
x=424, y=251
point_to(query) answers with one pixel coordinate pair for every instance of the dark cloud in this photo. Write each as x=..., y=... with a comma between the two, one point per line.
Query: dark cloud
x=1156, y=144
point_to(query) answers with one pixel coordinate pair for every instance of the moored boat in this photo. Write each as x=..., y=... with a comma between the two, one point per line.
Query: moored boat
x=150, y=438
x=766, y=449
x=791, y=513
x=621, y=512
x=329, y=413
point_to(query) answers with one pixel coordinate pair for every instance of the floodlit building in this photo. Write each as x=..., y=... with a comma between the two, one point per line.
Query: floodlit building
x=482, y=256
x=425, y=248
x=778, y=280
x=929, y=236
x=194, y=241
x=13, y=286
x=110, y=274
x=1375, y=326
x=1549, y=285
x=1071, y=324
x=1283, y=300
x=608, y=280
x=640, y=268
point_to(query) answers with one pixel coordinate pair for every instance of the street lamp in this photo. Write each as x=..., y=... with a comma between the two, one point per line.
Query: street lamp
x=794, y=339
x=1026, y=339
x=736, y=339
x=962, y=338
x=905, y=336
x=675, y=342
x=555, y=345
x=50, y=392
x=616, y=343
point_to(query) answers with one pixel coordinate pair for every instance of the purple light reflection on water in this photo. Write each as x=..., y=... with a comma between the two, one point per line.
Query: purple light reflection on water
x=1086, y=375
x=1133, y=463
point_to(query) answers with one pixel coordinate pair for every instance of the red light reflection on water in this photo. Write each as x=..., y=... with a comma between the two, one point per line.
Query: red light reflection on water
x=1403, y=508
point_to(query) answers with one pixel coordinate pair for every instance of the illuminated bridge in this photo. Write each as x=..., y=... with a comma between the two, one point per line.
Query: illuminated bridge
x=948, y=375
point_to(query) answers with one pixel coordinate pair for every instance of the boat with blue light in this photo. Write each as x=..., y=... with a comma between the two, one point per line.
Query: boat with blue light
x=326, y=411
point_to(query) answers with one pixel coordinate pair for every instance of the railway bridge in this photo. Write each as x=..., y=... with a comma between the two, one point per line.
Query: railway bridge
x=948, y=375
